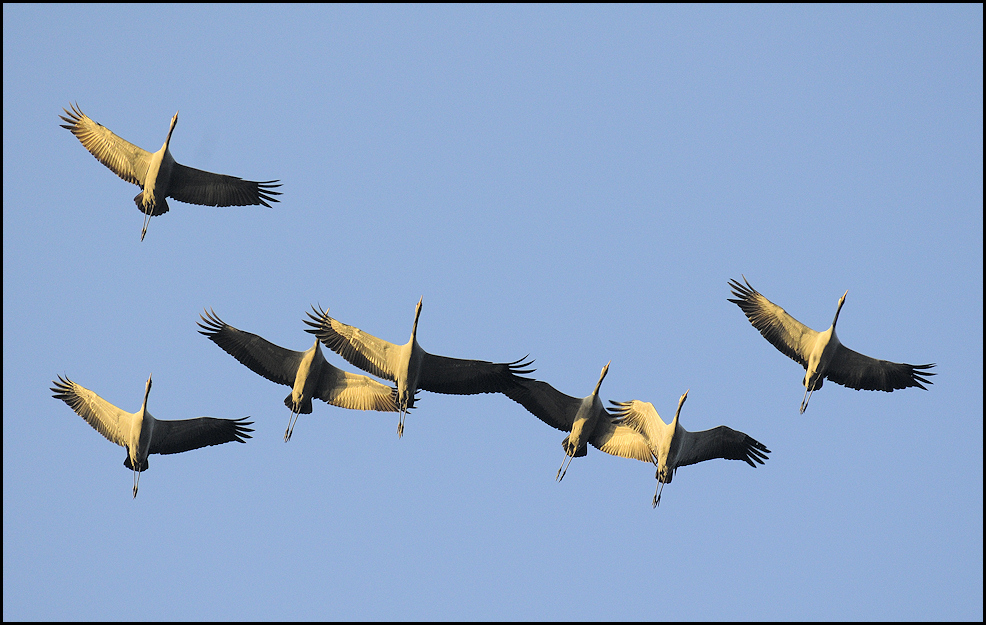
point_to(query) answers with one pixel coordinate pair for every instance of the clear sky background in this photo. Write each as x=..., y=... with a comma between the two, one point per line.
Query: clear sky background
x=575, y=183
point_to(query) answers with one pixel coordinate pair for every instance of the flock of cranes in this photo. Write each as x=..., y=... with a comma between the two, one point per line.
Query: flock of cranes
x=630, y=429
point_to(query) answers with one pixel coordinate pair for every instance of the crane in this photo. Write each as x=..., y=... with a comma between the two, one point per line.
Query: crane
x=159, y=176
x=673, y=446
x=140, y=433
x=821, y=353
x=410, y=366
x=307, y=373
x=580, y=417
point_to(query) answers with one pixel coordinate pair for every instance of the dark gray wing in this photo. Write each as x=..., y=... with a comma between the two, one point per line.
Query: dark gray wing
x=195, y=186
x=458, y=376
x=854, y=370
x=174, y=437
x=545, y=402
x=275, y=363
x=721, y=442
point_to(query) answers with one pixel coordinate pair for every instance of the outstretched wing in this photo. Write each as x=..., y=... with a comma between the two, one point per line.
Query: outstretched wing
x=458, y=376
x=123, y=158
x=793, y=338
x=354, y=391
x=103, y=416
x=613, y=437
x=640, y=416
x=373, y=355
x=195, y=186
x=720, y=442
x=174, y=437
x=545, y=402
x=852, y=369
x=275, y=363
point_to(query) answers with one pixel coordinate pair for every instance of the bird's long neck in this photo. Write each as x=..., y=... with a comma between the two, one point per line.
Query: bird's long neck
x=601, y=377
x=147, y=391
x=167, y=140
x=842, y=300
x=414, y=328
x=674, y=422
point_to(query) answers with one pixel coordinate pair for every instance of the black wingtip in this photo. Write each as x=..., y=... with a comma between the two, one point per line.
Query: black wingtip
x=213, y=324
x=241, y=430
x=316, y=320
x=522, y=366
x=919, y=375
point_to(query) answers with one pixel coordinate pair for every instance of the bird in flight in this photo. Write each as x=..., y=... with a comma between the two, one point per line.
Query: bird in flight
x=159, y=176
x=673, y=446
x=410, y=366
x=822, y=354
x=140, y=433
x=307, y=373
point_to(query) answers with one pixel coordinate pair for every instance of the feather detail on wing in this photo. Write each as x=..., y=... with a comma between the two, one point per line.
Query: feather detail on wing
x=854, y=370
x=545, y=402
x=720, y=442
x=459, y=376
x=173, y=437
x=793, y=338
x=360, y=349
x=196, y=186
x=123, y=158
x=264, y=358
x=103, y=416
x=354, y=391
x=621, y=440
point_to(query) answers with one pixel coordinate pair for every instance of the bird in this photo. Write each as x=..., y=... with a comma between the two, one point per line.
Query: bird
x=410, y=366
x=821, y=353
x=307, y=373
x=673, y=446
x=159, y=176
x=140, y=433
x=585, y=420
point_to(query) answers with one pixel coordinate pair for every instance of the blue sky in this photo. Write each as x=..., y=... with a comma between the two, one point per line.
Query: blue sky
x=576, y=183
